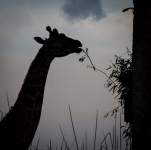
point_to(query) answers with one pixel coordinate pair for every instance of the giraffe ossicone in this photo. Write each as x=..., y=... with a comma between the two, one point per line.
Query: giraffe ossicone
x=18, y=127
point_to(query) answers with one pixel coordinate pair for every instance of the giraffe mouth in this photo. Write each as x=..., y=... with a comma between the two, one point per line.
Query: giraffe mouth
x=78, y=48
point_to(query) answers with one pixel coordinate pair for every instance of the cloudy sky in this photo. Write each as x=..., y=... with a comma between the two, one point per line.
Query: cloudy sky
x=100, y=25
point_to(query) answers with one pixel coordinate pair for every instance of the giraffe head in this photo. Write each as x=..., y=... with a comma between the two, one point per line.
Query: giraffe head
x=59, y=45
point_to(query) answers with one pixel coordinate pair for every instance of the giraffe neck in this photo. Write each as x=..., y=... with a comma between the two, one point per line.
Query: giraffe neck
x=22, y=120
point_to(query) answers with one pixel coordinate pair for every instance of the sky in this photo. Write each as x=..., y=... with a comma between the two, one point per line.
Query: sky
x=101, y=26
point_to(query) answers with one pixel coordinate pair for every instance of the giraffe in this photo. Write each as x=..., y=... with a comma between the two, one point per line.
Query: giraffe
x=18, y=127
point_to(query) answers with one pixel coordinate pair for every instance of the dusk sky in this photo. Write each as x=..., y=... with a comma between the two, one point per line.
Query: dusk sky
x=101, y=26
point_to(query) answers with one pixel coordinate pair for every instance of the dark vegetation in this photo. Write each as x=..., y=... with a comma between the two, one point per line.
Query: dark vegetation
x=119, y=83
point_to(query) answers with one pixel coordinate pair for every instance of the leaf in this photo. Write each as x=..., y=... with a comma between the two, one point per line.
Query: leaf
x=86, y=50
x=106, y=115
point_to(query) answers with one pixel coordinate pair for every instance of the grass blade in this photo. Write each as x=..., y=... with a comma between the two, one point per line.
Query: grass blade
x=113, y=138
x=115, y=133
x=95, y=130
x=120, y=133
x=37, y=144
x=1, y=115
x=86, y=140
x=7, y=100
x=73, y=128
x=63, y=138
x=71, y=145
x=61, y=145
x=105, y=140
x=117, y=143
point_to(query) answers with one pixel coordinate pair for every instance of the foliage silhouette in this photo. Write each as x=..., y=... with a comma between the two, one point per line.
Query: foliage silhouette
x=120, y=83
x=122, y=75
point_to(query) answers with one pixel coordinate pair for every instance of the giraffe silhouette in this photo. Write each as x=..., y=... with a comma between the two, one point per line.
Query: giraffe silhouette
x=18, y=127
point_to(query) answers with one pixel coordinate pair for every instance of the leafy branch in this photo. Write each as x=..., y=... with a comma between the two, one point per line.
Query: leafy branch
x=120, y=83
x=93, y=67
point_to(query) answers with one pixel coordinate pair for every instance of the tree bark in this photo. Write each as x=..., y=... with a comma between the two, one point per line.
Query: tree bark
x=141, y=80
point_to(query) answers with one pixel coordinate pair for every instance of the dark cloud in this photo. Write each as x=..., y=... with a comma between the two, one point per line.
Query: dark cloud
x=82, y=9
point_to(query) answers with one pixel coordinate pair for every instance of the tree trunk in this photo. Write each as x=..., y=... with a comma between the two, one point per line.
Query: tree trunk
x=141, y=81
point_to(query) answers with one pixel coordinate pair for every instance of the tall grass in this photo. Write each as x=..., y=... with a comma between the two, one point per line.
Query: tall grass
x=110, y=139
x=114, y=140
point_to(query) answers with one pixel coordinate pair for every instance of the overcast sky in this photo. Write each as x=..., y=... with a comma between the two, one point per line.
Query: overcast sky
x=100, y=25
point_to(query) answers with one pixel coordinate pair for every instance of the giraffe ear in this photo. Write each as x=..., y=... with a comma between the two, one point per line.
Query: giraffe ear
x=49, y=29
x=39, y=40
x=55, y=32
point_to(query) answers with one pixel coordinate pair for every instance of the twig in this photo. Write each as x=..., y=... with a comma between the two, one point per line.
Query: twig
x=94, y=68
x=89, y=58
x=103, y=73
